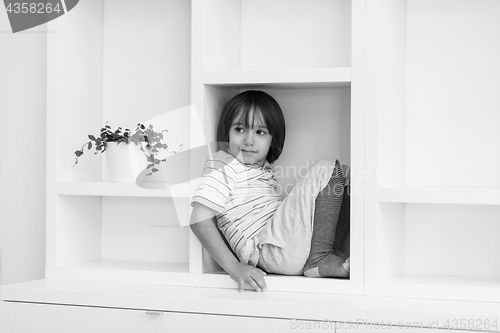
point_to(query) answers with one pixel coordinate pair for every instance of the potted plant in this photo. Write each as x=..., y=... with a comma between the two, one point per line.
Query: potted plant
x=145, y=139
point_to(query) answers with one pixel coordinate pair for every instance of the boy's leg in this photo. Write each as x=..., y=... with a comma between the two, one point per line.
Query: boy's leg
x=285, y=242
x=331, y=224
x=344, y=223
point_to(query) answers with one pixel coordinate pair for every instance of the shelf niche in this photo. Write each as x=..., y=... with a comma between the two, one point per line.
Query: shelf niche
x=250, y=34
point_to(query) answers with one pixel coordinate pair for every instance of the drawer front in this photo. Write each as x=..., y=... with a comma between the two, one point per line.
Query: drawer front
x=27, y=318
x=46, y=318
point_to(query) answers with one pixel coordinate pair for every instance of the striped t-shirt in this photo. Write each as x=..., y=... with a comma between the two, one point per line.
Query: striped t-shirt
x=244, y=198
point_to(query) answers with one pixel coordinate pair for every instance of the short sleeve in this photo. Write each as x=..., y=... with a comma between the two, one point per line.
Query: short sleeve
x=216, y=183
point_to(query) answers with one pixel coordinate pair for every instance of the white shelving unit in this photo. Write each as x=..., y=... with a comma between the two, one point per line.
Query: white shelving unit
x=103, y=69
x=403, y=91
x=432, y=211
x=97, y=229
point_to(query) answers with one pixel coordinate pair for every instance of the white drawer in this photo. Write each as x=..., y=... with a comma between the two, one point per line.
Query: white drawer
x=45, y=318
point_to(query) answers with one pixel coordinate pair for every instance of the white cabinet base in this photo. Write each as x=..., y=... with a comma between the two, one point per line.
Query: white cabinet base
x=55, y=304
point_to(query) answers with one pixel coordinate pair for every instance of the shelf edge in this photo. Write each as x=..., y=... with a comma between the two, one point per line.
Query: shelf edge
x=340, y=76
x=120, y=189
x=439, y=195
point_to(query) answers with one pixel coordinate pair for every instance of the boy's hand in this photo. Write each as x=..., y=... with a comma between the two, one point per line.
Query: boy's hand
x=206, y=231
x=254, y=276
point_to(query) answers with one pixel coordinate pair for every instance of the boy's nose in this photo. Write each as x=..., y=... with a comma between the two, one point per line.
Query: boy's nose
x=249, y=139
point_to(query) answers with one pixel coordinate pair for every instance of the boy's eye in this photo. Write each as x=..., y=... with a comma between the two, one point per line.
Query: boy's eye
x=239, y=129
x=261, y=132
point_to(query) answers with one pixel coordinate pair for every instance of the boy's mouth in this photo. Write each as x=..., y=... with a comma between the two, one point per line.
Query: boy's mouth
x=248, y=151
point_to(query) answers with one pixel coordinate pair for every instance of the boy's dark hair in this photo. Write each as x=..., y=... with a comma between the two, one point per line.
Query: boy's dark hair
x=241, y=105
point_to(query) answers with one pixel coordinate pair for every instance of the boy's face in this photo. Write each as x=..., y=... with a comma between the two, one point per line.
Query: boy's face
x=250, y=144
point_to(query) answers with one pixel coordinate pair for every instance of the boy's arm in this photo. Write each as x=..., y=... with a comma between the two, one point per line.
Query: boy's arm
x=208, y=234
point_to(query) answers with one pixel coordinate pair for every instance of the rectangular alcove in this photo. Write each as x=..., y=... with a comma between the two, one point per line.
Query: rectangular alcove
x=307, y=55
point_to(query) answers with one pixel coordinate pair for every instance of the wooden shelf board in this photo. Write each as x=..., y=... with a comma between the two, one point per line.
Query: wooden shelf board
x=120, y=189
x=293, y=283
x=286, y=78
x=440, y=195
x=465, y=288
x=177, y=274
x=133, y=266
x=122, y=272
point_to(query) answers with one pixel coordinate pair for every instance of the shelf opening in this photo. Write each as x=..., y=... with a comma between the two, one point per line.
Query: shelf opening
x=240, y=35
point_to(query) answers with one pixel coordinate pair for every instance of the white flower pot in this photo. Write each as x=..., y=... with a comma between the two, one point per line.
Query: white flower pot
x=125, y=162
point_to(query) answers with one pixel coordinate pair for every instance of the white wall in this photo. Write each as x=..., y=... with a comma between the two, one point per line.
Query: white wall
x=23, y=61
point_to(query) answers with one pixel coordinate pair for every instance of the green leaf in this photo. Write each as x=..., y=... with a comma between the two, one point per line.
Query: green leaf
x=78, y=153
x=91, y=137
x=89, y=146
